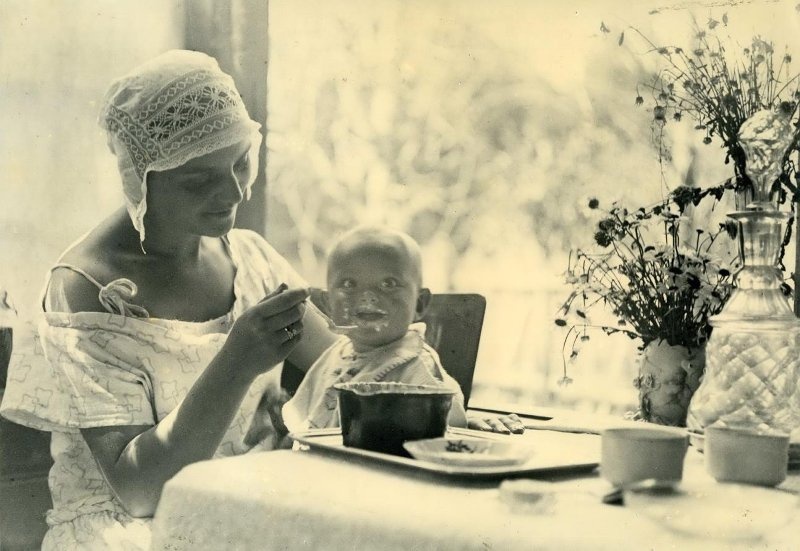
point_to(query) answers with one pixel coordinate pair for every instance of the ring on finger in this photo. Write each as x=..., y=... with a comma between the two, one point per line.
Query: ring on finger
x=291, y=332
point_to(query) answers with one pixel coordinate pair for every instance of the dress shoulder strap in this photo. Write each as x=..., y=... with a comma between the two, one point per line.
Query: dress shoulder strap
x=77, y=270
x=115, y=296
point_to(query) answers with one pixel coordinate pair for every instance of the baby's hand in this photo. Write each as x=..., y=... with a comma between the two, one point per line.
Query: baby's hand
x=504, y=424
x=274, y=409
x=268, y=419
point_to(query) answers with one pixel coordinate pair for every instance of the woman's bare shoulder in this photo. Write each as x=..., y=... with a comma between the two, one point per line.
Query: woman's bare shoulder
x=89, y=264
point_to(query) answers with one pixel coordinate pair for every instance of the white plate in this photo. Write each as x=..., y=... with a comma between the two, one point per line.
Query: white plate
x=466, y=451
x=731, y=512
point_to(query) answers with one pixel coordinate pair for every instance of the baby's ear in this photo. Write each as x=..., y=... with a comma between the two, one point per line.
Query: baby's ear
x=423, y=301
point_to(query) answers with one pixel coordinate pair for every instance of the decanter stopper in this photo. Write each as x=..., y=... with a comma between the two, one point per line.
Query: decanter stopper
x=765, y=137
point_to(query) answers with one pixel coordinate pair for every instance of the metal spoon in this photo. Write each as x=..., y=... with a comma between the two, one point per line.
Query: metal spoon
x=338, y=329
x=655, y=486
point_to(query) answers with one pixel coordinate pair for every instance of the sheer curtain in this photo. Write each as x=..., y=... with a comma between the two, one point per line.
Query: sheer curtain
x=58, y=177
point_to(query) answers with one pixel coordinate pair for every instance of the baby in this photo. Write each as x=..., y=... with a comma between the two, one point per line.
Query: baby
x=375, y=288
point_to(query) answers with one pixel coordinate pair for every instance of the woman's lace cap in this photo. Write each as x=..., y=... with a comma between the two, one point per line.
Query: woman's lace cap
x=168, y=111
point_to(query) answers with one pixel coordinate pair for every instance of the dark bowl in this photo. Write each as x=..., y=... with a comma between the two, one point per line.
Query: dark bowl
x=381, y=416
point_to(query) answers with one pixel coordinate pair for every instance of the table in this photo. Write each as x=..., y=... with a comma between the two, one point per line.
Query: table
x=308, y=500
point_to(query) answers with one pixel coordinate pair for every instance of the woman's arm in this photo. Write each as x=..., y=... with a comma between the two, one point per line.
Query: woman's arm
x=137, y=460
x=316, y=339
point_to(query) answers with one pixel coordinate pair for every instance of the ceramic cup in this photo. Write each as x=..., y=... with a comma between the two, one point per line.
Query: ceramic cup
x=745, y=455
x=632, y=454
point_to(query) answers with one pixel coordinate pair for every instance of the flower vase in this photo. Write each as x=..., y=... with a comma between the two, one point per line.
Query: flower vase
x=752, y=361
x=668, y=377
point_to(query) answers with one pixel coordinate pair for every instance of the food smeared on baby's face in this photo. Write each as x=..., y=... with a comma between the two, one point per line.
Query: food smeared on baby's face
x=373, y=283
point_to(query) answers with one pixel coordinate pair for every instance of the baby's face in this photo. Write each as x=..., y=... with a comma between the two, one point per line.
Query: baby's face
x=374, y=288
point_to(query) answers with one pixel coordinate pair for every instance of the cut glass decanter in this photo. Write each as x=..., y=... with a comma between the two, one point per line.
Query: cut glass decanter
x=752, y=357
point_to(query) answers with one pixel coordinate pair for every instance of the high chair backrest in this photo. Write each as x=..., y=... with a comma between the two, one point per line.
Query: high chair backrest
x=454, y=323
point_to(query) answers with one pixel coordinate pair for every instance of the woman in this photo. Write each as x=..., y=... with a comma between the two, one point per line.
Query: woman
x=162, y=323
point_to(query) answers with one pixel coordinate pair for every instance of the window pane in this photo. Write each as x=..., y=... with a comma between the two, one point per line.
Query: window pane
x=483, y=129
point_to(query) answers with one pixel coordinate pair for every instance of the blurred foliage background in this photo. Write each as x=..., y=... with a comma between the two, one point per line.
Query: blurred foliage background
x=482, y=129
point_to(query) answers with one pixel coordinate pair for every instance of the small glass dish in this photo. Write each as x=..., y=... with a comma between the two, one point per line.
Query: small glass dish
x=467, y=452
x=528, y=496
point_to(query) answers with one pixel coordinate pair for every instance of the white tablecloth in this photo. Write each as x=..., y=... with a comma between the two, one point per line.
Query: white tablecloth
x=307, y=500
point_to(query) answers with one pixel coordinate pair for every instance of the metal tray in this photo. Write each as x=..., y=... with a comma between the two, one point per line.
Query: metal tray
x=553, y=453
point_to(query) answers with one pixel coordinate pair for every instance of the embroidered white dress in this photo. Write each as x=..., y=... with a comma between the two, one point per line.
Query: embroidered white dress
x=407, y=360
x=105, y=369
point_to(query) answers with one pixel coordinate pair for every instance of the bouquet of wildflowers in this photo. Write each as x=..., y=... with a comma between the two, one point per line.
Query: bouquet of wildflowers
x=657, y=279
x=656, y=282
x=719, y=85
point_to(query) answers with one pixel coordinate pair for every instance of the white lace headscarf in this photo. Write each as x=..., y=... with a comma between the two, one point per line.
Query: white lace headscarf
x=170, y=110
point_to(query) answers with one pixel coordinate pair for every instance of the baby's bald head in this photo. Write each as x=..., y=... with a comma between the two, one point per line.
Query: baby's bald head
x=378, y=240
